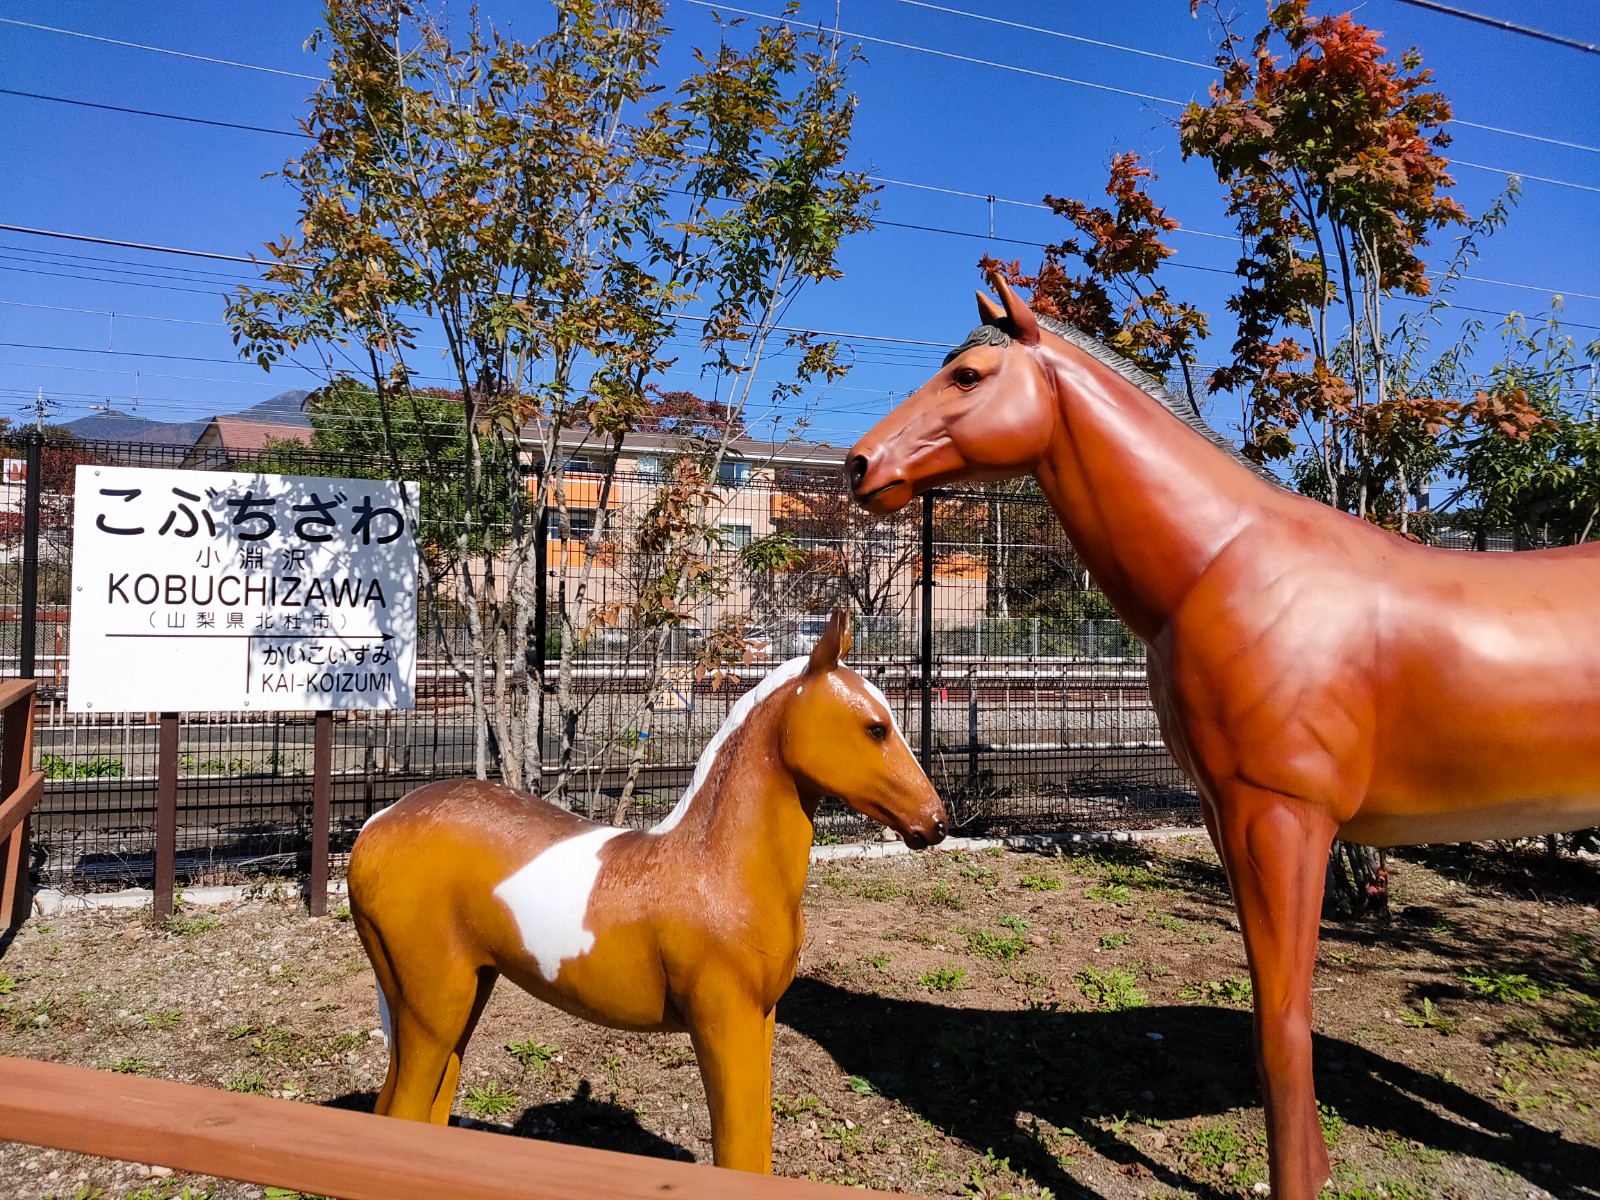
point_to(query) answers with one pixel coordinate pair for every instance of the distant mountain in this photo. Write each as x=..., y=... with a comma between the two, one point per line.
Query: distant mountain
x=115, y=426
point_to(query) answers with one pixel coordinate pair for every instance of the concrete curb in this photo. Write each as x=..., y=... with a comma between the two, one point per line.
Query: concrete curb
x=48, y=902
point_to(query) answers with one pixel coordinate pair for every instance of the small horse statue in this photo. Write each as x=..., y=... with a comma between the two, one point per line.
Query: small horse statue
x=692, y=925
x=1315, y=676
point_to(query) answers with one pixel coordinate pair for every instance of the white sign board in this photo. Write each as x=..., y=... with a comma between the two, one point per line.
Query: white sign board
x=218, y=590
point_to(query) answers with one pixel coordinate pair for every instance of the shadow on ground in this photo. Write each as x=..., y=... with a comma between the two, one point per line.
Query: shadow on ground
x=979, y=1075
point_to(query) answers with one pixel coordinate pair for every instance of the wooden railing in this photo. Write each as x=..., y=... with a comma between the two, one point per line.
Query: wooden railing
x=334, y=1152
x=20, y=789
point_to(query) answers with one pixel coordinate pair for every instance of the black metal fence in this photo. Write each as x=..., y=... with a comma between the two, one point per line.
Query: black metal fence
x=1007, y=670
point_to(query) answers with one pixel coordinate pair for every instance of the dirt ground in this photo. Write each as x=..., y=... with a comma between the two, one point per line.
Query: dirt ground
x=991, y=1024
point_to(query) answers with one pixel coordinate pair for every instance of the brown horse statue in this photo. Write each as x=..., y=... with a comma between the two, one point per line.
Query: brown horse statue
x=692, y=925
x=1315, y=676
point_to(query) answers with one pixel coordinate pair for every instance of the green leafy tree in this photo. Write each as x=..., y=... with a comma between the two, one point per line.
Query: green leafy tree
x=554, y=214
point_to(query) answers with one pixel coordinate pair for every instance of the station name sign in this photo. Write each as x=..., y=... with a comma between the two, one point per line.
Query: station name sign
x=227, y=591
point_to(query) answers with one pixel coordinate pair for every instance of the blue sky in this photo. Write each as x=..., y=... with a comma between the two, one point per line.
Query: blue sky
x=101, y=325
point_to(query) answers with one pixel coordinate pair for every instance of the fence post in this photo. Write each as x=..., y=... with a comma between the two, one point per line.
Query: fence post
x=321, y=811
x=29, y=623
x=926, y=648
x=166, y=815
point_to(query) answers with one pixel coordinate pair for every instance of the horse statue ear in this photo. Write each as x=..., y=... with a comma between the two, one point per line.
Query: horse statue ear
x=1024, y=328
x=833, y=645
x=989, y=312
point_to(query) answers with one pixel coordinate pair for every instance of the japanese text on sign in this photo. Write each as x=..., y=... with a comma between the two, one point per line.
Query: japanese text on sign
x=214, y=590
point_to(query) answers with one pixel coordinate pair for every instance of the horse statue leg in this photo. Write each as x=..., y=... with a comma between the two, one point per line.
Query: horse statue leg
x=1274, y=849
x=434, y=998
x=733, y=1044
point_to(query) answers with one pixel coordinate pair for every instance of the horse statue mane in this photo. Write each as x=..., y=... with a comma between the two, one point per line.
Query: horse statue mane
x=992, y=335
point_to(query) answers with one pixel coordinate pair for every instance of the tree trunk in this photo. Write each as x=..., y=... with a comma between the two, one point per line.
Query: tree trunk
x=1357, y=884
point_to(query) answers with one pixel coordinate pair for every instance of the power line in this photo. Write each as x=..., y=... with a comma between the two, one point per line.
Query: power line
x=143, y=112
x=100, y=241
x=1507, y=26
x=225, y=62
x=1205, y=66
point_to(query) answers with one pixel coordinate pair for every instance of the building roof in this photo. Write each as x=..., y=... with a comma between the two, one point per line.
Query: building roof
x=232, y=438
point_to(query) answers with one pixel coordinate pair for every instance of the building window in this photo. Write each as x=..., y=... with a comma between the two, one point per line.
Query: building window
x=735, y=537
x=580, y=523
x=733, y=471
x=649, y=466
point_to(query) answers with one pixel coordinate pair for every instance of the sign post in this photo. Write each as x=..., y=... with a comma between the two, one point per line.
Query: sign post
x=242, y=592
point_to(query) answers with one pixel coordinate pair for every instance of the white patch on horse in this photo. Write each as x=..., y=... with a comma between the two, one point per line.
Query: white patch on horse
x=737, y=716
x=549, y=899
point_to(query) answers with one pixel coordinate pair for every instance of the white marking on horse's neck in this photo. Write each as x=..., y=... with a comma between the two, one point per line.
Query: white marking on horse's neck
x=549, y=899
x=737, y=716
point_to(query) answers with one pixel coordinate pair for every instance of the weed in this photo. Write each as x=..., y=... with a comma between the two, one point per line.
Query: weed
x=1002, y=947
x=490, y=1099
x=1115, y=893
x=1503, y=986
x=533, y=1053
x=848, y=1135
x=1113, y=941
x=1167, y=921
x=834, y=879
x=1015, y=924
x=56, y=767
x=943, y=897
x=252, y=1083
x=879, y=962
x=1332, y=1124
x=163, y=1018
x=862, y=1087
x=1429, y=1018
x=1115, y=990
x=942, y=979
x=1582, y=1024
x=1227, y=991
x=1039, y=883
x=1214, y=1146
x=342, y=913
x=129, y=1066
x=8, y=983
x=185, y=926
x=792, y=1108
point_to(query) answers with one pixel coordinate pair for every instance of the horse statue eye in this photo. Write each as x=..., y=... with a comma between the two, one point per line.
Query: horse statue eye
x=965, y=377
x=878, y=733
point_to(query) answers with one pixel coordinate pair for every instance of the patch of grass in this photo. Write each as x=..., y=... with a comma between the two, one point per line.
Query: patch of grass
x=129, y=1066
x=942, y=979
x=1503, y=986
x=531, y=1052
x=1015, y=924
x=1116, y=989
x=943, y=897
x=1234, y=990
x=1163, y=920
x=1039, y=883
x=490, y=1099
x=163, y=1018
x=1114, y=941
x=861, y=1086
x=879, y=889
x=879, y=962
x=103, y=767
x=1213, y=1147
x=8, y=983
x=1429, y=1017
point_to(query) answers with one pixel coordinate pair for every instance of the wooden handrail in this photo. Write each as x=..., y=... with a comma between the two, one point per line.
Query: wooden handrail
x=335, y=1152
x=20, y=789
